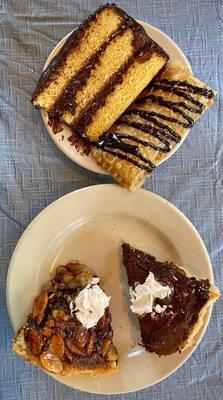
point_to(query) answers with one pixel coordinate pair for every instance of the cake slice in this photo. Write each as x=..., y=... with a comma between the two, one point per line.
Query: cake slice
x=153, y=125
x=170, y=304
x=69, y=330
x=99, y=71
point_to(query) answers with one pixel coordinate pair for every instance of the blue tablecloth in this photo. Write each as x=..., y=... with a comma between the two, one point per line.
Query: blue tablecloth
x=33, y=172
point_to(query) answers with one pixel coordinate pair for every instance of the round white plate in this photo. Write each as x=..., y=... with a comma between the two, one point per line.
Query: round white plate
x=60, y=138
x=90, y=225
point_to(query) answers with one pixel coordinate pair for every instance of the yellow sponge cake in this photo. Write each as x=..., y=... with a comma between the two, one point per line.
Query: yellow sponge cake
x=99, y=71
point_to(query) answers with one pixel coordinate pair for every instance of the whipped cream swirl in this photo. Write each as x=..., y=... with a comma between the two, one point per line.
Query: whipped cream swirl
x=91, y=303
x=144, y=296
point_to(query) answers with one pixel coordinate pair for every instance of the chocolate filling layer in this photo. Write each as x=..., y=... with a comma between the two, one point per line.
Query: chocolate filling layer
x=165, y=333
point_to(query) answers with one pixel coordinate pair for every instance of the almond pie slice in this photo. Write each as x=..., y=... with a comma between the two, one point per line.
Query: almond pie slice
x=153, y=125
x=69, y=330
x=170, y=304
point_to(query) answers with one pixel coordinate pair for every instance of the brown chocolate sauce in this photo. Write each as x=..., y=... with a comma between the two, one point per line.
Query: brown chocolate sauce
x=164, y=333
x=157, y=129
x=111, y=142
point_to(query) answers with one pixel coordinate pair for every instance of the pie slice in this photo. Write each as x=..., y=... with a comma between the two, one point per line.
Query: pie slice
x=101, y=68
x=153, y=125
x=170, y=304
x=69, y=330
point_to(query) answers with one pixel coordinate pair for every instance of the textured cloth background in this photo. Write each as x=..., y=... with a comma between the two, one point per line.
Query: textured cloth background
x=33, y=172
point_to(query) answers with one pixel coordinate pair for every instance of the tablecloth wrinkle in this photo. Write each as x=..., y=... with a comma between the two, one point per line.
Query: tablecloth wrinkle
x=34, y=173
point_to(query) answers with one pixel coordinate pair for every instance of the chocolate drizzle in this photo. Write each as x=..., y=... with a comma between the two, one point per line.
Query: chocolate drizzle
x=159, y=130
x=111, y=142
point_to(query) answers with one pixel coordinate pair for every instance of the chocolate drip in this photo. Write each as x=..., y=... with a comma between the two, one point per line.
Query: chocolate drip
x=171, y=105
x=151, y=131
x=111, y=142
x=165, y=130
x=202, y=91
x=157, y=129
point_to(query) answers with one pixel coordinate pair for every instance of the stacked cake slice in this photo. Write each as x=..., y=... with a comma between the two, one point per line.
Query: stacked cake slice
x=99, y=71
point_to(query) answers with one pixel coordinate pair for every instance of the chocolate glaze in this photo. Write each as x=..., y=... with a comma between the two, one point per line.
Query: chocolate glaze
x=161, y=131
x=164, y=130
x=164, y=333
x=174, y=106
x=111, y=142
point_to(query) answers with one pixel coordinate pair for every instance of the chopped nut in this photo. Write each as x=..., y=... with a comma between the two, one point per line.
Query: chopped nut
x=90, y=345
x=112, y=364
x=36, y=342
x=76, y=268
x=67, y=278
x=57, y=345
x=111, y=354
x=105, y=346
x=81, y=335
x=50, y=362
x=39, y=308
x=68, y=355
x=73, y=348
x=50, y=323
x=47, y=332
x=60, y=315
x=62, y=270
x=83, y=278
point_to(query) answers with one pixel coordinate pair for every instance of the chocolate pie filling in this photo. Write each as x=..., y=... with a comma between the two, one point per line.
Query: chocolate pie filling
x=164, y=333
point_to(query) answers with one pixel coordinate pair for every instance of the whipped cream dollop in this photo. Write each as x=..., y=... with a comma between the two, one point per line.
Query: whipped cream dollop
x=91, y=303
x=143, y=296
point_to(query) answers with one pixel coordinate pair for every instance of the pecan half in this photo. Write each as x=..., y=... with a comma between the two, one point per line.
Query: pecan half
x=36, y=342
x=39, y=307
x=68, y=355
x=57, y=345
x=74, y=349
x=50, y=362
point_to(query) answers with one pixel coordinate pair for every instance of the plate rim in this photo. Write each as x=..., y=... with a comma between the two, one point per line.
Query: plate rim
x=111, y=186
x=44, y=115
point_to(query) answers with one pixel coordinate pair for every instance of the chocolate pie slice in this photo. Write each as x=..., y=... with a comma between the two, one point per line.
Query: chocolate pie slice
x=69, y=330
x=170, y=304
x=153, y=125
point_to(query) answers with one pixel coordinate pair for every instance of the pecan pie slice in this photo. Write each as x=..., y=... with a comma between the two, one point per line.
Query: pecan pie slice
x=170, y=304
x=69, y=330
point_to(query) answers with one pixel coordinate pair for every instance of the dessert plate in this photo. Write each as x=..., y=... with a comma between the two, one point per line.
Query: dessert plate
x=90, y=225
x=60, y=138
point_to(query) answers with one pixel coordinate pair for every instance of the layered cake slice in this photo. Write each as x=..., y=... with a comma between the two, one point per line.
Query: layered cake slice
x=153, y=125
x=170, y=304
x=99, y=71
x=69, y=330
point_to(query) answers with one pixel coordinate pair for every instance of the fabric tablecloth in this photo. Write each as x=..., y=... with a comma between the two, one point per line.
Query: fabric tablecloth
x=33, y=172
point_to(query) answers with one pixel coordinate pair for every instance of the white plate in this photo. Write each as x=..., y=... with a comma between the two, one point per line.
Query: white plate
x=60, y=138
x=90, y=225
